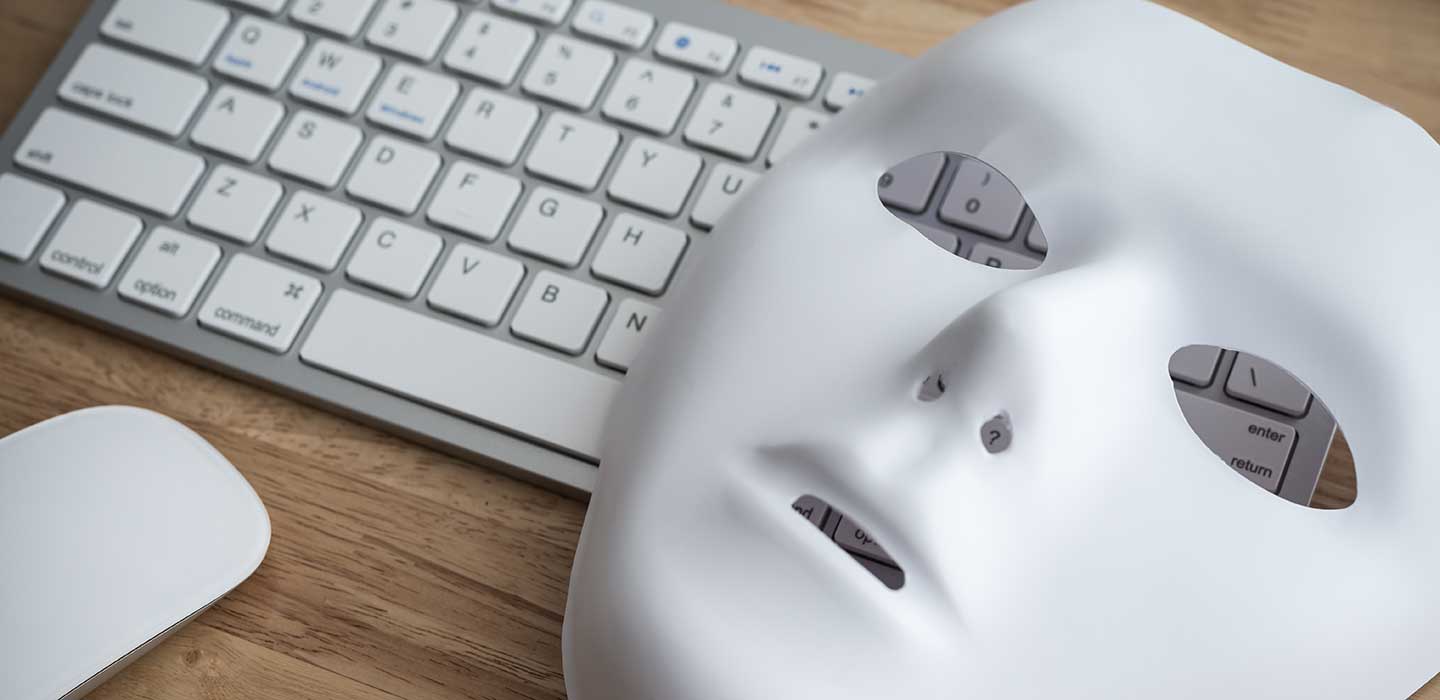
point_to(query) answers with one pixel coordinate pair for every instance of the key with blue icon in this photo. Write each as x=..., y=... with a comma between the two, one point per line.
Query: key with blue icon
x=613, y=23
x=781, y=73
x=697, y=48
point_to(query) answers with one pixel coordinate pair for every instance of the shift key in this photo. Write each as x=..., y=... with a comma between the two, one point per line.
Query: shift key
x=111, y=161
x=260, y=303
x=1253, y=445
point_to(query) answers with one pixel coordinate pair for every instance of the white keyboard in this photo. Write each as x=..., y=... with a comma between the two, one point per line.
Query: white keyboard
x=457, y=220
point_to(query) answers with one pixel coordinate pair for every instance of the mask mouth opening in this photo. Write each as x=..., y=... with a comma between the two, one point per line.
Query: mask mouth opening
x=1265, y=424
x=851, y=537
x=967, y=208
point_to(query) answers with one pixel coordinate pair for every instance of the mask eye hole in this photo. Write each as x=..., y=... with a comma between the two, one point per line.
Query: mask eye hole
x=965, y=207
x=1265, y=424
x=848, y=535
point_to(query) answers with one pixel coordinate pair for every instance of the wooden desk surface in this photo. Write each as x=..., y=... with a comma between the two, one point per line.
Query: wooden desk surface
x=397, y=572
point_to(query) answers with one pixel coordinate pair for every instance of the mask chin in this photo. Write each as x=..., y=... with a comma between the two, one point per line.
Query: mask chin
x=827, y=357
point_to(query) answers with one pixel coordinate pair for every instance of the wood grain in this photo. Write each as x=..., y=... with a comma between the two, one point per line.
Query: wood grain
x=397, y=572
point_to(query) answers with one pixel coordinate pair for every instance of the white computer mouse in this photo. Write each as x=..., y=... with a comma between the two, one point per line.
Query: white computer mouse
x=117, y=526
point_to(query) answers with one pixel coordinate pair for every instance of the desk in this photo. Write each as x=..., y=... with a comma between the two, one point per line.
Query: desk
x=397, y=572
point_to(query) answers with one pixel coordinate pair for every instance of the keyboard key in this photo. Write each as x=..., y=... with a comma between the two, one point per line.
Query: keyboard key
x=413, y=101
x=639, y=254
x=981, y=200
x=572, y=151
x=812, y=509
x=490, y=48
x=413, y=28
x=628, y=331
x=613, y=23
x=909, y=185
x=731, y=121
x=655, y=177
x=169, y=271
x=476, y=284
x=649, y=96
x=138, y=90
x=559, y=313
x=83, y=152
x=30, y=208
x=259, y=302
x=316, y=149
x=845, y=88
x=726, y=184
x=266, y=6
x=945, y=237
x=259, y=52
x=1195, y=364
x=313, y=230
x=1035, y=240
x=181, y=29
x=393, y=174
x=235, y=204
x=474, y=200
x=892, y=577
x=1257, y=447
x=394, y=257
x=568, y=71
x=90, y=243
x=544, y=11
x=237, y=123
x=800, y=124
x=335, y=76
x=461, y=371
x=493, y=126
x=1262, y=383
x=555, y=226
x=342, y=17
x=854, y=538
x=997, y=257
x=697, y=48
x=781, y=73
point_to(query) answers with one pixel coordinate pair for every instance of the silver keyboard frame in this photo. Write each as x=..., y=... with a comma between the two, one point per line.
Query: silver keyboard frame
x=285, y=373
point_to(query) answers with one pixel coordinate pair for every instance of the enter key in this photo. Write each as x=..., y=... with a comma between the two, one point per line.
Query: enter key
x=1253, y=445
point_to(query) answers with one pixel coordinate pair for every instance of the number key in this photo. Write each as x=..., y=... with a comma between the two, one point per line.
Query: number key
x=568, y=71
x=490, y=48
x=649, y=96
x=413, y=28
x=731, y=121
x=982, y=200
x=342, y=17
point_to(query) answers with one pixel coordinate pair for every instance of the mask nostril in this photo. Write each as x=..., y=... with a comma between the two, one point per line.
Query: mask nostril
x=933, y=387
x=851, y=537
x=996, y=434
x=965, y=207
x=1265, y=424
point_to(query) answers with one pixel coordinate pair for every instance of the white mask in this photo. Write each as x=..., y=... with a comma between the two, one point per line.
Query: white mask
x=1193, y=191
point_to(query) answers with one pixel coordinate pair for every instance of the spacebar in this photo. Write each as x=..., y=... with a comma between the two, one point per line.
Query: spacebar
x=462, y=372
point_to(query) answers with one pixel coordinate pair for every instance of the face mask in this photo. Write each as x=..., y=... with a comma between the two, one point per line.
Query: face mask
x=1193, y=191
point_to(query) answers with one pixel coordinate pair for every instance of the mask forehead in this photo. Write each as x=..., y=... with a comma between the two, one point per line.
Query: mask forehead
x=1175, y=192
